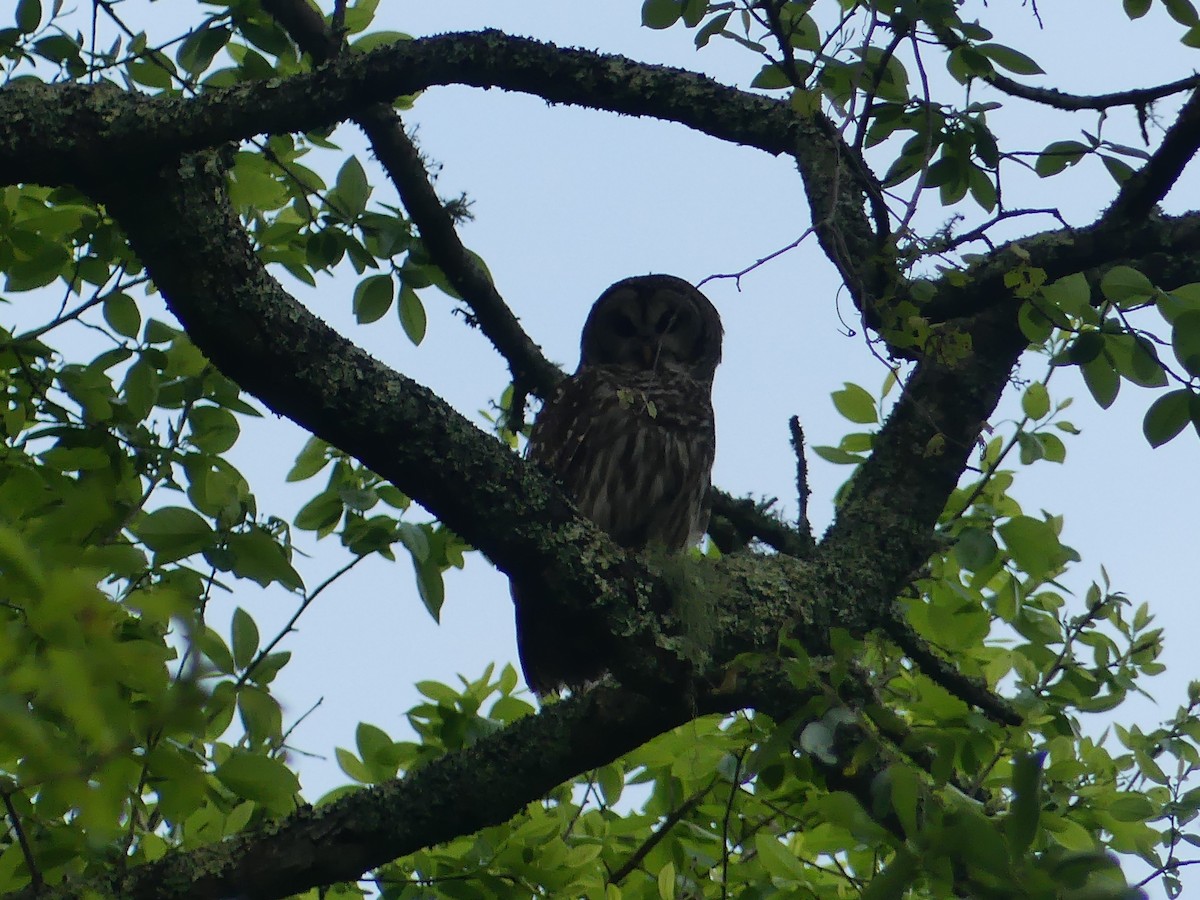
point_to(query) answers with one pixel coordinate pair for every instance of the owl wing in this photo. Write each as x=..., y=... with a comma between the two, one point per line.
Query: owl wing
x=633, y=453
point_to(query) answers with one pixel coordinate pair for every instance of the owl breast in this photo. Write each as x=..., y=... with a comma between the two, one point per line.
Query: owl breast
x=634, y=449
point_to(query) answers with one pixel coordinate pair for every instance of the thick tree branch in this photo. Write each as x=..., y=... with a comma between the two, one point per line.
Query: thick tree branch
x=1150, y=184
x=182, y=227
x=1164, y=248
x=184, y=230
x=458, y=793
x=402, y=161
x=529, y=367
x=134, y=130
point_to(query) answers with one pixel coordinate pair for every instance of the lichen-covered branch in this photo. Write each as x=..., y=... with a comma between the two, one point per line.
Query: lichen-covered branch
x=47, y=127
x=403, y=164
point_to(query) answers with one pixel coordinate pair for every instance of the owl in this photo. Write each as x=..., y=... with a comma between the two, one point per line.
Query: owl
x=630, y=437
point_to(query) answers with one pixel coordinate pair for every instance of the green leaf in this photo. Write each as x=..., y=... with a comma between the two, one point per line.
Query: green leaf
x=154, y=70
x=213, y=647
x=1035, y=402
x=1021, y=823
x=893, y=881
x=666, y=882
x=771, y=77
x=976, y=548
x=353, y=766
x=258, y=778
x=373, y=298
x=373, y=743
x=311, y=459
x=29, y=16
x=713, y=27
x=693, y=12
x=320, y=513
x=1034, y=546
x=1122, y=283
x=18, y=563
x=1135, y=9
x=1185, y=340
x=1102, y=380
x=1008, y=58
x=837, y=456
x=1183, y=12
x=661, y=13
x=1127, y=806
x=261, y=716
x=430, y=587
x=412, y=314
x=1167, y=416
x=258, y=556
x=1117, y=168
x=855, y=404
x=174, y=532
x=244, y=634
x=777, y=859
x=1058, y=156
x=351, y=189
x=1136, y=358
x=122, y=315
x=197, y=51
x=213, y=429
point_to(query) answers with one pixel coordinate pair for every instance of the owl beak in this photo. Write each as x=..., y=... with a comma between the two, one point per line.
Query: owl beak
x=648, y=354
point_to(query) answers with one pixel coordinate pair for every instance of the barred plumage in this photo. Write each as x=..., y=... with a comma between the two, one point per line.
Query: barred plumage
x=630, y=435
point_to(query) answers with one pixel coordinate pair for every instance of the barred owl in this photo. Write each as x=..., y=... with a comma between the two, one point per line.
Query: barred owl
x=630, y=436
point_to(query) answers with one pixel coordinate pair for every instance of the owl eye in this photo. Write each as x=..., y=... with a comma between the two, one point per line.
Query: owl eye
x=666, y=322
x=623, y=325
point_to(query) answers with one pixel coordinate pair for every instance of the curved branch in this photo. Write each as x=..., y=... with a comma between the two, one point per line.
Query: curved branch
x=402, y=162
x=1074, y=102
x=182, y=227
x=135, y=131
x=1164, y=248
x=1057, y=99
x=1142, y=191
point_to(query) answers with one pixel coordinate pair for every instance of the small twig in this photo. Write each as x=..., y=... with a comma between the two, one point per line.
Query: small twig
x=737, y=276
x=753, y=520
x=35, y=874
x=964, y=687
x=802, y=489
x=980, y=233
x=287, y=629
x=308, y=712
x=587, y=792
x=1056, y=99
x=734, y=787
x=672, y=819
x=97, y=298
x=1169, y=867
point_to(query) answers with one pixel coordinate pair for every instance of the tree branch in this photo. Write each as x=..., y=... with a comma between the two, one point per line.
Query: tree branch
x=1146, y=187
x=1057, y=99
x=530, y=369
x=136, y=131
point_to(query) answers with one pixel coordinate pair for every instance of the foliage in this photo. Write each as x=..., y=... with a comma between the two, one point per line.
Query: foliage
x=131, y=729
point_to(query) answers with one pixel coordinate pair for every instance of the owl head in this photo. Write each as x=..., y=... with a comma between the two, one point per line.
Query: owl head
x=653, y=323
